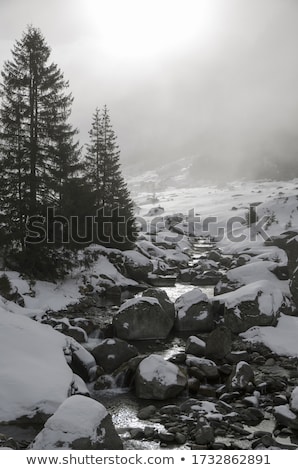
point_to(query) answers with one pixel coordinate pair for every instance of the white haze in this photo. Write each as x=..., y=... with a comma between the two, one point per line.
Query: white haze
x=225, y=97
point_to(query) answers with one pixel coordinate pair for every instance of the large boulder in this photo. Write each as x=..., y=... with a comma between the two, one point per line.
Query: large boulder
x=80, y=423
x=113, y=352
x=193, y=312
x=162, y=298
x=143, y=318
x=219, y=343
x=257, y=304
x=158, y=379
x=137, y=265
x=35, y=376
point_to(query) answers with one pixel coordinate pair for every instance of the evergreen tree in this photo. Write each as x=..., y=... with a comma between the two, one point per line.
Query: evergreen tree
x=37, y=146
x=115, y=221
x=94, y=150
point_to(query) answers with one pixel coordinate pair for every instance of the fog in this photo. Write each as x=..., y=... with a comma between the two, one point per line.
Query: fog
x=216, y=86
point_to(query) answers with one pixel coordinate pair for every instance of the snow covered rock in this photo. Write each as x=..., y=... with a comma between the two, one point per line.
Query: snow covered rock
x=162, y=298
x=113, y=352
x=242, y=376
x=206, y=368
x=34, y=375
x=294, y=400
x=158, y=379
x=257, y=304
x=219, y=343
x=81, y=361
x=154, y=211
x=79, y=423
x=285, y=416
x=193, y=312
x=137, y=265
x=195, y=346
x=142, y=318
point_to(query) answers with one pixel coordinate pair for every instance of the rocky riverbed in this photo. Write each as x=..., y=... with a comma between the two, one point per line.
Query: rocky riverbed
x=180, y=366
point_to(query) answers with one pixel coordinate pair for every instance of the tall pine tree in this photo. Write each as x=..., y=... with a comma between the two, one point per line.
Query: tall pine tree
x=37, y=148
x=115, y=221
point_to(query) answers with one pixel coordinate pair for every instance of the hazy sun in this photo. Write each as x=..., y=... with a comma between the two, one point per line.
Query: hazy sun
x=143, y=29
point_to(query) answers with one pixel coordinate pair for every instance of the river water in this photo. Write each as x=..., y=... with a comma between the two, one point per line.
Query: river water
x=122, y=404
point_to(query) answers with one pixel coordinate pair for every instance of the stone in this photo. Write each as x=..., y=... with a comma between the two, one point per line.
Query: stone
x=218, y=343
x=258, y=304
x=137, y=265
x=204, y=435
x=143, y=318
x=241, y=376
x=180, y=438
x=77, y=333
x=147, y=412
x=285, y=416
x=82, y=362
x=162, y=298
x=158, y=379
x=207, y=367
x=112, y=352
x=195, y=346
x=80, y=423
x=193, y=312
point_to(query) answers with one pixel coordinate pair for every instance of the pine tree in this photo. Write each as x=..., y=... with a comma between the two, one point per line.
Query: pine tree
x=37, y=146
x=116, y=223
x=94, y=149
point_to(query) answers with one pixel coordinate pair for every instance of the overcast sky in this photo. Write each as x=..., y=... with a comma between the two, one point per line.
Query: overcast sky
x=211, y=79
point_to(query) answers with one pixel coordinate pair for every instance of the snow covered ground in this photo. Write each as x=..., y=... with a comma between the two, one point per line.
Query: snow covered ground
x=34, y=374
x=221, y=211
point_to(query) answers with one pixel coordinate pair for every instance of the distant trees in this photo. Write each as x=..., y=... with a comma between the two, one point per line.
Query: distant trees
x=40, y=159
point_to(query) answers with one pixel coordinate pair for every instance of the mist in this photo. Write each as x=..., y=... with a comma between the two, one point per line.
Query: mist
x=226, y=104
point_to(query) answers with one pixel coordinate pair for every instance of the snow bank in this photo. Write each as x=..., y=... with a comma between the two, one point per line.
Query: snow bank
x=34, y=375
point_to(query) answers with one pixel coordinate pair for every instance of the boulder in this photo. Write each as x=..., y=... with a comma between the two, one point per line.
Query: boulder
x=158, y=379
x=206, y=278
x=79, y=423
x=204, y=434
x=242, y=376
x=285, y=416
x=257, y=304
x=137, y=265
x=143, y=318
x=81, y=361
x=77, y=333
x=219, y=343
x=195, y=346
x=206, y=368
x=162, y=298
x=193, y=312
x=113, y=352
